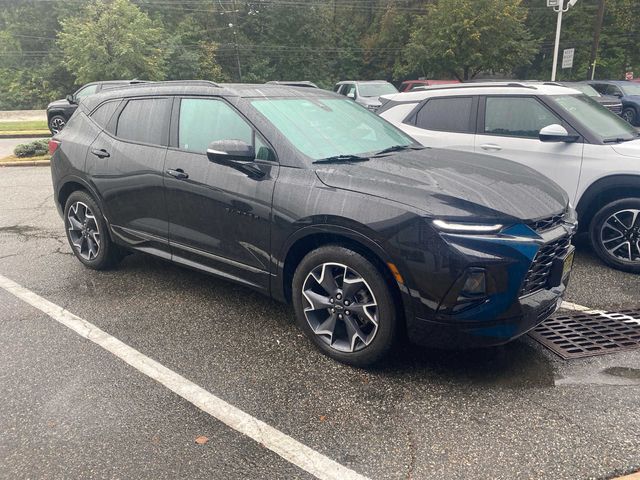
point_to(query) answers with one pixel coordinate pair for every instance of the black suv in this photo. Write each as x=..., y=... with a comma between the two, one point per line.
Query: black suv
x=305, y=196
x=59, y=112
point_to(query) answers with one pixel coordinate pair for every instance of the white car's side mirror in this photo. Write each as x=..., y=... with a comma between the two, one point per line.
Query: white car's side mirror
x=556, y=133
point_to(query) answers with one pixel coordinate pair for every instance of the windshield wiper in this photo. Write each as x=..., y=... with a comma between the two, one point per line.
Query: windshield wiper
x=342, y=159
x=397, y=148
x=617, y=140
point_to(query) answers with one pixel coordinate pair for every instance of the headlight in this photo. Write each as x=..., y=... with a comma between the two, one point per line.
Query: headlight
x=454, y=227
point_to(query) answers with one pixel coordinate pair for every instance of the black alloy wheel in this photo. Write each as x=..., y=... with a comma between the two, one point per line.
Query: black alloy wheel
x=87, y=232
x=615, y=234
x=344, y=304
x=57, y=123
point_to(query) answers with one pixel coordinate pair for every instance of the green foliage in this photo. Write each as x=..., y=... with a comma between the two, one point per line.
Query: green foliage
x=32, y=149
x=50, y=48
x=462, y=38
x=110, y=40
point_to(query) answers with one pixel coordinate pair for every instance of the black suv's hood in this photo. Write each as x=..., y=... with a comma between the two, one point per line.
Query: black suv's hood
x=452, y=184
x=59, y=103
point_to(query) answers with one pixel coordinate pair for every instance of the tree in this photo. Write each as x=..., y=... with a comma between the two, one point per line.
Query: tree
x=113, y=39
x=462, y=38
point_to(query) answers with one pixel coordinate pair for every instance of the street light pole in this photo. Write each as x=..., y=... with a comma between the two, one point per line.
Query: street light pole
x=558, y=6
x=557, y=44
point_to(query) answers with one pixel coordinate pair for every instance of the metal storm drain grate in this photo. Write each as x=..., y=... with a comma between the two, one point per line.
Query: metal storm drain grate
x=586, y=334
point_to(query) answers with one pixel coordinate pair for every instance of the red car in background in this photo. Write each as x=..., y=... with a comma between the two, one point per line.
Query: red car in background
x=409, y=85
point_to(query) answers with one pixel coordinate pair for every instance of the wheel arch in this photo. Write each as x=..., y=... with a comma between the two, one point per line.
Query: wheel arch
x=314, y=237
x=604, y=191
x=53, y=113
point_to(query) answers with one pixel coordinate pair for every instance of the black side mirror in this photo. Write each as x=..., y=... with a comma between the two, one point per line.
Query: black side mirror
x=235, y=154
x=617, y=94
x=229, y=151
x=71, y=99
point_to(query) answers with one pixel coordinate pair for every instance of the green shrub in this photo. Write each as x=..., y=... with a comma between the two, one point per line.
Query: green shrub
x=32, y=149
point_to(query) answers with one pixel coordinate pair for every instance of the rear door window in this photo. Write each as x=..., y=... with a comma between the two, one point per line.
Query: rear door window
x=451, y=114
x=144, y=120
x=104, y=112
x=517, y=117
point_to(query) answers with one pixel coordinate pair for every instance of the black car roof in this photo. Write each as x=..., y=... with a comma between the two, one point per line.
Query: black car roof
x=204, y=87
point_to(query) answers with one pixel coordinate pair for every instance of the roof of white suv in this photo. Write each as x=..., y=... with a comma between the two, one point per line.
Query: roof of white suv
x=488, y=88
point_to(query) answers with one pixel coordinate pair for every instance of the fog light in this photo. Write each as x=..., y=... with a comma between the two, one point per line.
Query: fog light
x=475, y=285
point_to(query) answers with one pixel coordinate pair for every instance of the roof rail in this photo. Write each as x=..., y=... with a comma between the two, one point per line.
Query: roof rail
x=193, y=82
x=471, y=85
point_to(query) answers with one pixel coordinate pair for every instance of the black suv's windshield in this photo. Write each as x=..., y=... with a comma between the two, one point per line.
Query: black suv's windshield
x=323, y=128
x=600, y=121
x=631, y=89
x=584, y=88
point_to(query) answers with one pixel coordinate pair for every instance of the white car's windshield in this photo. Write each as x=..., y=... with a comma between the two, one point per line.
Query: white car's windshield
x=600, y=121
x=375, y=89
x=631, y=89
x=323, y=128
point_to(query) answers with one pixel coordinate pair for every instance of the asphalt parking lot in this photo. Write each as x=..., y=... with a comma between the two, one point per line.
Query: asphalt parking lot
x=71, y=409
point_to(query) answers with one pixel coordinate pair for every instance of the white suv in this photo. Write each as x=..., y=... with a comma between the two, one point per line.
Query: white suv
x=593, y=154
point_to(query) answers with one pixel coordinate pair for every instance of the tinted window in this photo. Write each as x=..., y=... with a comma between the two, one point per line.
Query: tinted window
x=612, y=90
x=203, y=121
x=446, y=114
x=143, y=120
x=516, y=116
x=104, y=112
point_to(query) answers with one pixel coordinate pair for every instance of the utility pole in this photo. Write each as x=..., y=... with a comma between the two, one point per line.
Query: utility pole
x=234, y=25
x=596, y=38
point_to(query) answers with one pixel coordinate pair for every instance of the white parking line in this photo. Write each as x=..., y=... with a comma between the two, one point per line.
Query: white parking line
x=288, y=448
x=575, y=306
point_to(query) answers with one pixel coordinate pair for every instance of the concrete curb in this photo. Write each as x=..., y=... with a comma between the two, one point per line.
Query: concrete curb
x=25, y=135
x=27, y=163
x=633, y=476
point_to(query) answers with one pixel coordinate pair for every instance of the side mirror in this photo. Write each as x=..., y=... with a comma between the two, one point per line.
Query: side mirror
x=229, y=151
x=71, y=99
x=556, y=133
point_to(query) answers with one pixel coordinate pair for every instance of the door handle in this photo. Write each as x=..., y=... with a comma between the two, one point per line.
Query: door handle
x=178, y=173
x=100, y=153
x=492, y=147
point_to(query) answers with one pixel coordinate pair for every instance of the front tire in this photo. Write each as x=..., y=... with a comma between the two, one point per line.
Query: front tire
x=87, y=232
x=344, y=305
x=57, y=123
x=615, y=234
x=630, y=115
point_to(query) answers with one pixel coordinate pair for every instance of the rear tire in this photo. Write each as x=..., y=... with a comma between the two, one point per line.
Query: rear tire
x=615, y=234
x=88, y=234
x=344, y=305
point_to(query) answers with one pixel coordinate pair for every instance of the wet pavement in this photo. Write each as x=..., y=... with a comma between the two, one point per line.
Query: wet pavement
x=70, y=409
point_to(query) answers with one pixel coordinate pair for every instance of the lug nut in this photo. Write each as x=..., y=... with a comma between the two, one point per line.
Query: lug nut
x=346, y=302
x=338, y=296
x=340, y=316
x=332, y=300
x=347, y=313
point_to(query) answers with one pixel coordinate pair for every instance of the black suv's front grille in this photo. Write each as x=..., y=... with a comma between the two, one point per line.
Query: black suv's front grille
x=547, y=223
x=540, y=269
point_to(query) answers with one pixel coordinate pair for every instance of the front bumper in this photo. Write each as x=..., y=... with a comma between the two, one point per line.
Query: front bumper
x=511, y=307
x=530, y=311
